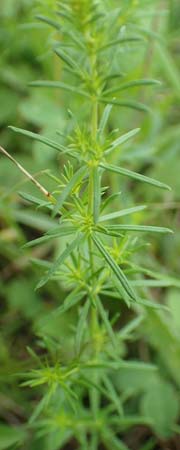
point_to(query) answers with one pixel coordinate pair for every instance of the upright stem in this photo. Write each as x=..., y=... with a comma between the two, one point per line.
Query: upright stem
x=94, y=395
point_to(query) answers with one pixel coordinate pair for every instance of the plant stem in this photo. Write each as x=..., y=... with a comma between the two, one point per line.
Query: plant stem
x=94, y=395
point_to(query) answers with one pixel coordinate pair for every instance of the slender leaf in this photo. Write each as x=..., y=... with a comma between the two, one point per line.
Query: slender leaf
x=60, y=260
x=121, y=213
x=134, y=175
x=59, y=85
x=34, y=200
x=109, y=200
x=106, y=321
x=131, y=84
x=66, y=231
x=141, y=228
x=49, y=21
x=125, y=137
x=76, y=178
x=82, y=325
x=115, y=398
x=61, y=230
x=125, y=103
x=119, y=42
x=71, y=300
x=115, y=268
x=111, y=441
x=104, y=120
x=40, y=138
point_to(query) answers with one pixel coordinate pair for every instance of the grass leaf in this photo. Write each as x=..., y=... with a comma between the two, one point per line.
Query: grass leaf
x=107, y=322
x=59, y=85
x=120, y=140
x=60, y=260
x=131, y=84
x=114, y=267
x=76, y=178
x=71, y=300
x=142, y=228
x=121, y=213
x=61, y=231
x=104, y=120
x=81, y=325
x=119, y=42
x=124, y=103
x=134, y=175
x=40, y=138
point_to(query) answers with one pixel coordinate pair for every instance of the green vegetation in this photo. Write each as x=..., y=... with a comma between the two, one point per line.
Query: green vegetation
x=90, y=342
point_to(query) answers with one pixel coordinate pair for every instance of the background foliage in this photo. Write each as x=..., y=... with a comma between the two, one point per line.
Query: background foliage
x=153, y=335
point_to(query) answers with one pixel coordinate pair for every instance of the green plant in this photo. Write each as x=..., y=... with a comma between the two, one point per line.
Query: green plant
x=99, y=261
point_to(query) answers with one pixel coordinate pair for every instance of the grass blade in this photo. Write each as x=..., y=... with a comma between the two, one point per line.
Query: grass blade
x=59, y=85
x=142, y=228
x=115, y=398
x=71, y=300
x=82, y=325
x=125, y=137
x=77, y=177
x=118, y=42
x=123, y=212
x=107, y=322
x=124, y=103
x=131, y=84
x=134, y=175
x=60, y=260
x=66, y=231
x=40, y=138
x=104, y=120
x=49, y=21
x=114, y=267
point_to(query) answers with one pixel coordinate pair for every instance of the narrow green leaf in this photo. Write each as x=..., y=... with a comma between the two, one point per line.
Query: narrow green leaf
x=109, y=199
x=141, y=228
x=40, y=138
x=60, y=260
x=125, y=103
x=69, y=61
x=119, y=42
x=12, y=436
x=111, y=441
x=30, y=218
x=61, y=230
x=48, y=21
x=59, y=85
x=77, y=177
x=96, y=193
x=134, y=175
x=120, y=140
x=152, y=305
x=120, y=364
x=71, y=300
x=81, y=325
x=35, y=200
x=107, y=322
x=65, y=231
x=115, y=268
x=131, y=84
x=104, y=120
x=115, y=398
x=123, y=212
x=40, y=406
x=170, y=69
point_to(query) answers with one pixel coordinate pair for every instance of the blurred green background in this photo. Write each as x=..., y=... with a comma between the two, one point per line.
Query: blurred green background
x=25, y=48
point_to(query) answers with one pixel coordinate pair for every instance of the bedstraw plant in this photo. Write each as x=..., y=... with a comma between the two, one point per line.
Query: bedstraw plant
x=77, y=397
